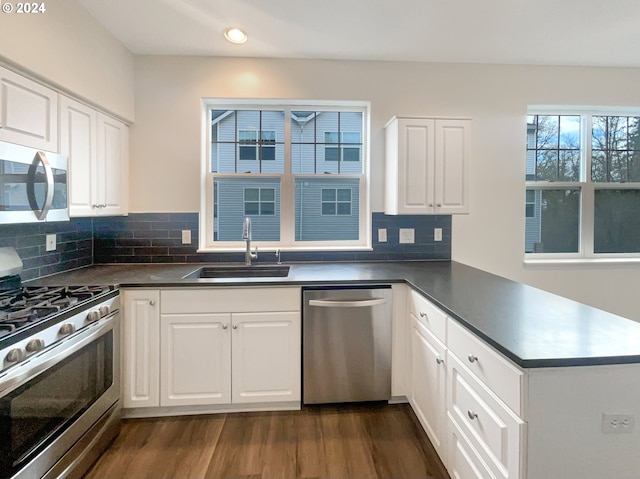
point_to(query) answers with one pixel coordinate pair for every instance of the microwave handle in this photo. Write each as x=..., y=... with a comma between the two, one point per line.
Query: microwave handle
x=31, y=186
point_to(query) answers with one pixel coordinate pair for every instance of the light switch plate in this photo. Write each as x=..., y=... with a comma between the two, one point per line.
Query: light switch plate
x=437, y=234
x=382, y=235
x=407, y=235
x=51, y=242
x=186, y=236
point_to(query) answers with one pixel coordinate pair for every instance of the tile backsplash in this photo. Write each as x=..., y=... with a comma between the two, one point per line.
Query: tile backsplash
x=74, y=246
x=157, y=238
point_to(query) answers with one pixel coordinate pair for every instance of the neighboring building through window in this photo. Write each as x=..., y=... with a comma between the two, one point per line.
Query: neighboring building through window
x=583, y=184
x=298, y=171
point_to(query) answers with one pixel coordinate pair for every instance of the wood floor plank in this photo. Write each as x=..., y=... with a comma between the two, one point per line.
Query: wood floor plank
x=337, y=441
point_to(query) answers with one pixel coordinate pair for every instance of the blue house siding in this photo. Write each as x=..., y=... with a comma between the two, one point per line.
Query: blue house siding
x=231, y=213
x=311, y=224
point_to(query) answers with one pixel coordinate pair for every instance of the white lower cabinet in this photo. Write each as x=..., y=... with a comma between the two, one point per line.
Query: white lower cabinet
x=141, y=348
x=463, y=461
x=195, y=366
x=427, y=391
x=210, y=347
x=265, y=357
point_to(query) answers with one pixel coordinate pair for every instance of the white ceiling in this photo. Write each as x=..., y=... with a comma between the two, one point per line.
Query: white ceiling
x=551, y=32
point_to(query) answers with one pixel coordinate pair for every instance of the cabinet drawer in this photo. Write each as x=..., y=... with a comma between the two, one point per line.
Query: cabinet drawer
x=224, y=300
x=464, y=462
x=497, y=372
x=432, y=317
x=494, y=431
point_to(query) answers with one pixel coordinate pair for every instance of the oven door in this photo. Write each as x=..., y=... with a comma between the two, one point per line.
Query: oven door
x=49, y=401
x=33, y=185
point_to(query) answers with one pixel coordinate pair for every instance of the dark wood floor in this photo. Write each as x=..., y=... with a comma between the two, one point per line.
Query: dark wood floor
x=347, y=441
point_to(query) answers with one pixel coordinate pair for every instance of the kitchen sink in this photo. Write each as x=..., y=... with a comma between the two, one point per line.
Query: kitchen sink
x=240, y=271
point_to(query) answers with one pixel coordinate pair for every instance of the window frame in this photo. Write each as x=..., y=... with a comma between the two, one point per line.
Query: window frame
x=287, y=241
x=587, y=187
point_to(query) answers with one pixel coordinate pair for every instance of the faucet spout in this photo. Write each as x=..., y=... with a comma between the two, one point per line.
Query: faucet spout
x=246, y=235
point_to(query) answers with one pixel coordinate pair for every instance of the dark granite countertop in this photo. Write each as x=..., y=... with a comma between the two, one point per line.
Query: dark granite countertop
x=532, y=327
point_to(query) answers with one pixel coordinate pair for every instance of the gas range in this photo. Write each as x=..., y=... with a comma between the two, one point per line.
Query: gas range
x=27, y=306
x=35, y=317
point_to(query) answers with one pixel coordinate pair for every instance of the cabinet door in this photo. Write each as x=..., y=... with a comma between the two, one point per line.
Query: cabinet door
x=427, y=394
x=78, y=129
x=266, y=357
x=415, y=165
x=141, y=348
x=451, y=166
x=28, y=112
x=112, y=166
x=195, y=359
x=463, y=462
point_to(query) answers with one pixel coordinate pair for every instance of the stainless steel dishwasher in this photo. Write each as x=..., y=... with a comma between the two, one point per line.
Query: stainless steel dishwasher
x=346, y=344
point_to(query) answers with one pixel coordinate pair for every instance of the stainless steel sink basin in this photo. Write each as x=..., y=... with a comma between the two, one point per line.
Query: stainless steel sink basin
x=240, y=271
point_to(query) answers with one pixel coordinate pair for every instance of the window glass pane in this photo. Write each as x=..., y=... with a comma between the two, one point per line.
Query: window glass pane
x=351, y=154
x=328, y=194
x=239, y=138
x=318, y=216
x=328, y=208
x=267, y=208
x=267, y=194
x=616, y=221
x=344, y=208
x=331, y=153
x=615, y=145
x=232, y=208
x=351, y=137
x=251, y=208
x=344, y=194
x=251, y=194
x=553, y=148
x=331, y=137
x=556, y=228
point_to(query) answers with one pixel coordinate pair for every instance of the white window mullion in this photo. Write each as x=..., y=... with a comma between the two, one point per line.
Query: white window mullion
x=287, y=195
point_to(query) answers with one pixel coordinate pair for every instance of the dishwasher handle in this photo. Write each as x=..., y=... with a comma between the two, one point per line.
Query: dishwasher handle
x=357, y=303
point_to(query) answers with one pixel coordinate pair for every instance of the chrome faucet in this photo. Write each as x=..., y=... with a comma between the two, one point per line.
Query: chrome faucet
x=246, y=235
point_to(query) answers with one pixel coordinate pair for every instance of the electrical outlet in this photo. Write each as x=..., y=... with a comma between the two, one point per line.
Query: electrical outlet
x=618, y=423
x=407, y=235
x=51, y=242
x=186, y=236
x=437, y=234
x=382, y=235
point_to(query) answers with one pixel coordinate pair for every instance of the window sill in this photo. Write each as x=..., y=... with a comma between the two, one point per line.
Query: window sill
x=284, y=249
x=582, y=262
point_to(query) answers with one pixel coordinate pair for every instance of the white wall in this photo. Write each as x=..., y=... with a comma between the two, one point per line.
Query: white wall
x=70, y=50
x=166, y=141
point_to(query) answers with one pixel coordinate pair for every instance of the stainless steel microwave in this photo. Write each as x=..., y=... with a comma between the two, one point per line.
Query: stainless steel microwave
x=33, y=185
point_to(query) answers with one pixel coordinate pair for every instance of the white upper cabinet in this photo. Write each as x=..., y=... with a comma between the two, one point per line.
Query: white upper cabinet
x=97, y=146
x=28, y=112
x=426, y=166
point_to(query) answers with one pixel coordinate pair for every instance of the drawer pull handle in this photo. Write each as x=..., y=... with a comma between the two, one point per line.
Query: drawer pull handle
x=439, y=360
x=424, y=315
x=472, y=415
x=472, y=358
x=152, y=302
x=224, y=326
x=235, y=326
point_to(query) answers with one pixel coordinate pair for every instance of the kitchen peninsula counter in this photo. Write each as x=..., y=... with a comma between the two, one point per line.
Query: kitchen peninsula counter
x=531, y=327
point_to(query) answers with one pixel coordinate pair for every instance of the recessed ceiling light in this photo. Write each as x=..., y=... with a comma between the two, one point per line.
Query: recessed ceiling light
x=235, y=35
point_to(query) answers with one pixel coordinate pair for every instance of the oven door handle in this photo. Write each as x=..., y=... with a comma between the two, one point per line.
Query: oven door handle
x=30, y=368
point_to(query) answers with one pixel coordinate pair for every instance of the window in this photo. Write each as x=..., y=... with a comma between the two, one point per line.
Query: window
x=336, y=201
x=298, y=171
x=342, y=147
x=259, y=201
x=582, y=184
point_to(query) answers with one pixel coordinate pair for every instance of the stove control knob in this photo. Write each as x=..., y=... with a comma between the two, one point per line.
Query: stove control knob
x=35, y=345
x=93, y=316
x=67, y=329
x=104, y=310
x=15, y=355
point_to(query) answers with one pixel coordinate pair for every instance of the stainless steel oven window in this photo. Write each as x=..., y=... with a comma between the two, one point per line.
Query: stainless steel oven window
x=37, y=412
